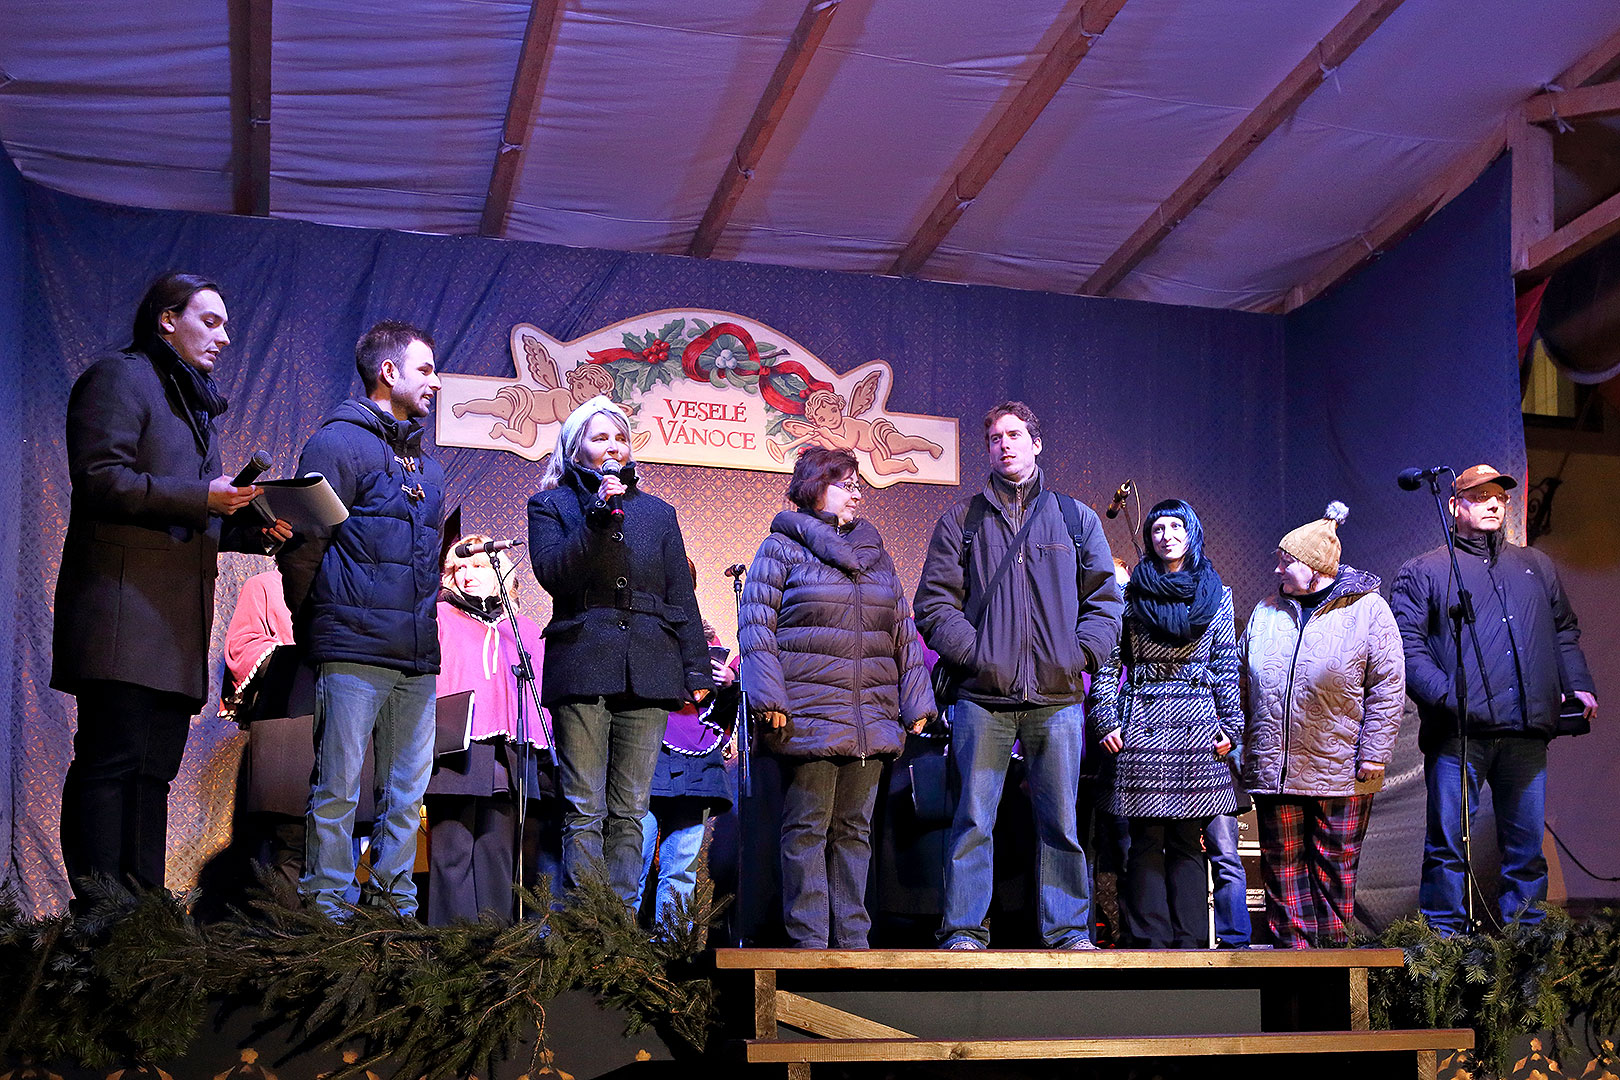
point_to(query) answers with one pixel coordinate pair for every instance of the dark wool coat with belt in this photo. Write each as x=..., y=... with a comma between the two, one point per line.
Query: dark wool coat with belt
x=135, y=597
x=827, y=638
x=1177, y=702
x=1527, y=633
x=624, y=615
x=367, y=590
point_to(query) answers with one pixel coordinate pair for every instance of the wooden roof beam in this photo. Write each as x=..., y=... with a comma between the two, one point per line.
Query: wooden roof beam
x=1582, y=103
x=1575, y=239
x=521, y=106
x=1405, y=216
x=1277, y=106
x=1601, y=57
x=773, y=103
x=250, y=106
x=1032, y=98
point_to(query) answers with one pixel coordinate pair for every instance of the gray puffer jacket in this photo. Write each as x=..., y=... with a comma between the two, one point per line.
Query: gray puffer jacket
x=828, y=639
x=1322, y=695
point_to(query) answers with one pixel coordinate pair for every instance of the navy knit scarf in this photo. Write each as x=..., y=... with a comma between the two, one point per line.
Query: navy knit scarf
x=1174, y=608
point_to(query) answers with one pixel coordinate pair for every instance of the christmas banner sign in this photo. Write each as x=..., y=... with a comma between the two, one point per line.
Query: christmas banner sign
x=702, y=388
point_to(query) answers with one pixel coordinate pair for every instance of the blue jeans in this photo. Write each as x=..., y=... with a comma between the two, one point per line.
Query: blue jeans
x=356, y=704
x=607, y=752
x=673, y=833
x=1053, y=738
x=1516, y=770
x=1231, y=886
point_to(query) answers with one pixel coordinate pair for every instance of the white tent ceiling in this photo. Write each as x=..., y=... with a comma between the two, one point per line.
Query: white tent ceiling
x=389, y=113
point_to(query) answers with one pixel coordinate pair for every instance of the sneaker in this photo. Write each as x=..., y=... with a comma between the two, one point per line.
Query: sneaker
x=1080, y=944
x=964, y=944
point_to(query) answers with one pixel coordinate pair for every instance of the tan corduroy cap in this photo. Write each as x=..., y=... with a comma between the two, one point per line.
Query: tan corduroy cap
x=1482, y=474
x=1317, y=544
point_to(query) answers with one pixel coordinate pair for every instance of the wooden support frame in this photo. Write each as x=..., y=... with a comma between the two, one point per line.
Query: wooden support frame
x=250, y=41
x=521, y=105
x=773, y=103
x=1073, y=43
x=1575, y=239
x=1286, y=97
x=1532, y=209
x=1582, y=103
x=1594, y=63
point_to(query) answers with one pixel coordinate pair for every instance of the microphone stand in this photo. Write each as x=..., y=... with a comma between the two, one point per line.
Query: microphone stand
x=528, y=689
x=1461, y=614
x=746, y=776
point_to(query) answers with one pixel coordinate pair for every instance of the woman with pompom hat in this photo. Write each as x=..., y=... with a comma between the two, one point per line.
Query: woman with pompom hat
x=1324, y=685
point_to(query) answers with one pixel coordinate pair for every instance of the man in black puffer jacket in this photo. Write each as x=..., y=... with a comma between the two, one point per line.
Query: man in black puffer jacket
x=364, y=600
x=1530, y=643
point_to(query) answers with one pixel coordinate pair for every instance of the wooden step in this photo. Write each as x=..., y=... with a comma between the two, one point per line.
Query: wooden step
x=816, y=1051
x=1052, y=959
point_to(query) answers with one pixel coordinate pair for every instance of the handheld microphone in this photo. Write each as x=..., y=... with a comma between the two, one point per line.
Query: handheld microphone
x=1412, y=479
x=256, y=466
x=626, y=472
x=468, y=548
x=1121, y=493
x=736, y=570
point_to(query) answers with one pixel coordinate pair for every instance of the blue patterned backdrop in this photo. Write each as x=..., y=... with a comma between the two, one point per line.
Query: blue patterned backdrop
x=1218, y=407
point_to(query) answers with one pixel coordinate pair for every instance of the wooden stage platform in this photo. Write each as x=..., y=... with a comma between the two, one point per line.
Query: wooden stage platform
x=890, y=1005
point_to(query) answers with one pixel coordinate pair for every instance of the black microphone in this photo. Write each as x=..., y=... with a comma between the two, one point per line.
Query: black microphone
x=1121, y=493
x=736, y=570
x=615, y=505
x=1412, y=479
x=256, y=466
x=468, y=548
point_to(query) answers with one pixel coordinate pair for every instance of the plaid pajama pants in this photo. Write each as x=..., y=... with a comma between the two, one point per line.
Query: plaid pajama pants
x=1308, y=853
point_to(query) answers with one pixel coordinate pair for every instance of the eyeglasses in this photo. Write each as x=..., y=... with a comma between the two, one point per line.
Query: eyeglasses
x=1476, y=495
x=849, y=484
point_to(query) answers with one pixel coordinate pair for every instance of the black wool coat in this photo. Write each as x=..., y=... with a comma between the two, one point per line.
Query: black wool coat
x=135, y=597
x=624, y=614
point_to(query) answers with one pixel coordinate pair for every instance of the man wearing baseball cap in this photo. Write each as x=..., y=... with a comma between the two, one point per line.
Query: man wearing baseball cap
x=1522, y=661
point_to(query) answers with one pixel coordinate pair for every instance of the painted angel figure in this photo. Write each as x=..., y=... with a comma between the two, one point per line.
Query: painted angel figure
x=826, y=424
x=521, y=410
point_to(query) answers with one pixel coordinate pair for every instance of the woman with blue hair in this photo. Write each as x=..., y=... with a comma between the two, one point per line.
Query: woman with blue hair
x=1170, y=722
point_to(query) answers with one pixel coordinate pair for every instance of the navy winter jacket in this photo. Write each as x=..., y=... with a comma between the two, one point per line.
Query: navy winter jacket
x=1527, y=633
x=367, y=591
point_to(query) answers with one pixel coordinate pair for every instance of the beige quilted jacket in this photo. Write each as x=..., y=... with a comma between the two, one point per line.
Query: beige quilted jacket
x=1316, y=706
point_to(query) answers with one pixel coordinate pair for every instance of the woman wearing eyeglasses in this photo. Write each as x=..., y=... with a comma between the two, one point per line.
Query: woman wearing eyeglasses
x=833, y=665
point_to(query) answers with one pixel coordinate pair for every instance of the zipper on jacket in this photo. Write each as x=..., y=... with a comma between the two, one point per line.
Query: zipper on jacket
x=860, y=648
x=1288, y=696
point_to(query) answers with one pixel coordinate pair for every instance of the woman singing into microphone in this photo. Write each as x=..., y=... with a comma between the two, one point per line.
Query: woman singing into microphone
x=625, y=645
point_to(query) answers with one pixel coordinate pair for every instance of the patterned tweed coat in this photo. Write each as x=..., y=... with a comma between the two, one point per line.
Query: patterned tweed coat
x=1175, y=703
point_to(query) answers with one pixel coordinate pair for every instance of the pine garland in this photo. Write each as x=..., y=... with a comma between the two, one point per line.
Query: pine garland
x=1550, y=976
x=135, y=982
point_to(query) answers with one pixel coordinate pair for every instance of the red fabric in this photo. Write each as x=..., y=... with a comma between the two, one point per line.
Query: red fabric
x=1528, y=309
x=259, y=623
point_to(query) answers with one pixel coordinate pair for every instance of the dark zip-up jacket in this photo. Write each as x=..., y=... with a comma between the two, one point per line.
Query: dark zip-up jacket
x=1527, y=632
x=1051, y=620
x=827, y=638
x=367, y=590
